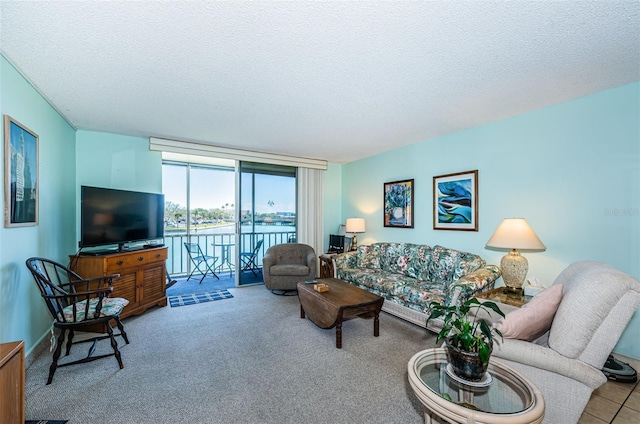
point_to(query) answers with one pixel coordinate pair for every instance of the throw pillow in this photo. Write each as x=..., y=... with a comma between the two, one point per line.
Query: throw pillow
x=534, y=318
x=368, y=257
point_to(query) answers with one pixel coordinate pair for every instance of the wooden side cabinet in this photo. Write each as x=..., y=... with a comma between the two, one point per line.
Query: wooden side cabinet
x=326, y=265
x=12, y=382
x=142, y=276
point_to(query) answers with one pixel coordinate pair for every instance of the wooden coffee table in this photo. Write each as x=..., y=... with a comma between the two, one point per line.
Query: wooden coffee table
x=342, y=301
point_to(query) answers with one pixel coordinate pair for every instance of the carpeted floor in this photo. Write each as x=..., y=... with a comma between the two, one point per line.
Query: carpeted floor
x=249, y=359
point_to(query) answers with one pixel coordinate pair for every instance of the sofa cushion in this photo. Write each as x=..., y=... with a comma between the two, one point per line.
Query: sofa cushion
x=392, y=257
x=418, y=257
x=420, y=293
x=533, y=319
x=448, y=265
x=368, y=257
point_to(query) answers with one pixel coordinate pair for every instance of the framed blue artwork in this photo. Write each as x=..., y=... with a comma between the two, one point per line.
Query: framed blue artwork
x=21, y=174
x=455, y=201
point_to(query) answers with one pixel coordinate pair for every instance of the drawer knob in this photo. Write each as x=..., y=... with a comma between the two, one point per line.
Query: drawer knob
x=157, y=255
x=120, y=262
x=140, y=258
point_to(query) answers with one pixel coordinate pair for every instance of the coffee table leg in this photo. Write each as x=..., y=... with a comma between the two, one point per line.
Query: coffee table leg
x=376, y=325
x=339, y=335
x=301, y=312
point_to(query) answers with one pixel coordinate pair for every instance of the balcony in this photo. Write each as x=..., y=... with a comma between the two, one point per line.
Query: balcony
x=178, y=263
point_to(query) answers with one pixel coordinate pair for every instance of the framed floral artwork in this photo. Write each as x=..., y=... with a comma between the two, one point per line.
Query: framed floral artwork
x=398, y=204
x=21, y=174
x=455, y=201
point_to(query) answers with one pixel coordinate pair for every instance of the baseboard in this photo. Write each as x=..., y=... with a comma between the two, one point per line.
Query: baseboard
x=411, y=315
x=41, y=347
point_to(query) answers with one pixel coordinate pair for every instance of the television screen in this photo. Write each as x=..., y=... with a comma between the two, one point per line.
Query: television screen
x=109, y=216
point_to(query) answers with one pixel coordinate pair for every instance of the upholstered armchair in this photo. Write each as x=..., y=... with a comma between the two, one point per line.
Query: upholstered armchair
x=596, y=304
x=284, y=265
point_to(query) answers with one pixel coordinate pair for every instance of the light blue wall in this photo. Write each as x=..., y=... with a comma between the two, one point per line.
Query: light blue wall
x=23, y=315
x=572, y=170
x=116, y=161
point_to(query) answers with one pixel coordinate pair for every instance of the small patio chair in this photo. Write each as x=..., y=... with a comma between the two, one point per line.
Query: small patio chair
x=75, y=304
x=202, y=263
x=249, y=259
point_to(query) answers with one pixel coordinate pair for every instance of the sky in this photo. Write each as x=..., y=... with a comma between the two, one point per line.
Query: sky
x=212, y=189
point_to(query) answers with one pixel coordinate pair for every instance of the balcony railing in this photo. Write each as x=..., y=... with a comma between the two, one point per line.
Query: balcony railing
x=178, y=262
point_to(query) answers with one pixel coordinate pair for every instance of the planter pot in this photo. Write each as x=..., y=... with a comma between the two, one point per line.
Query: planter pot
x=466, y=365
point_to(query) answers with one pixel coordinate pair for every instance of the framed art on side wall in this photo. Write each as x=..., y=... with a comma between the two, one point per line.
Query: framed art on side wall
x=398, y=204
x=20, y=174
x=455, y=201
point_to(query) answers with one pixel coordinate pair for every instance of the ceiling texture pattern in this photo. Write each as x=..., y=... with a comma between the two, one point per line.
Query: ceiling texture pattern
x=333, y=80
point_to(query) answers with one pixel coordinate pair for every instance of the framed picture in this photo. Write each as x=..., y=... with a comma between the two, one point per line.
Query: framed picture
x=455, y=201
x=20, y=174
x=398, y=204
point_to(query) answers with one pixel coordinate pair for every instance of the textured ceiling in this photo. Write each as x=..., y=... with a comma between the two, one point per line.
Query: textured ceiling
x=328, y=80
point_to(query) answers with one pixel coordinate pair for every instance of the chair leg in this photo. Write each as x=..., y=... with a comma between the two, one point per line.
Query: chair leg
x=189, y=277
x=56, y=356
x=114, y=345
x=213, y=273
x=121, y=328
x=69, y=342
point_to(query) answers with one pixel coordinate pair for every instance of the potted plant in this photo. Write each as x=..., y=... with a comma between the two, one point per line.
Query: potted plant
x=468, y=339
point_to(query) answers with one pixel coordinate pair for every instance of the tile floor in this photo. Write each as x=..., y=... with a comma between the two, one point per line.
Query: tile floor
x=614, y=402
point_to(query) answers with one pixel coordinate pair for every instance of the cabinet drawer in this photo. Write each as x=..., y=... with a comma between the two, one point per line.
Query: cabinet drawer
x=158, y=255
x=127, y=261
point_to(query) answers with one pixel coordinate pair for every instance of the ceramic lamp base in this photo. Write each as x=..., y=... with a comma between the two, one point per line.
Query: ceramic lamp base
x=514, y=269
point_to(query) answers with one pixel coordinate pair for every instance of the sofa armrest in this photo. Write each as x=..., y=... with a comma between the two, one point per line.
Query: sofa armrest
x=545, y=358
x=480, y=280
x=346, y=260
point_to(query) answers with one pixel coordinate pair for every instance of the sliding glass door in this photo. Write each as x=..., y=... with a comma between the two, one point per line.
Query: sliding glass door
x=201, y=207
x=267, y=214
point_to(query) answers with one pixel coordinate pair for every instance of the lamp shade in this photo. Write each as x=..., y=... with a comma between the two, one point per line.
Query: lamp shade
x=515, y=233
x=355, y=225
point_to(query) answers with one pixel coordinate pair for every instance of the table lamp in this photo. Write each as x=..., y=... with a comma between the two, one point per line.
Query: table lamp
x=354, y=225
x=513, y=234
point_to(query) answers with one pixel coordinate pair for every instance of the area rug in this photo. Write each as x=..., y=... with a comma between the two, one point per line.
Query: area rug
x=45, y=421
x=192, y=299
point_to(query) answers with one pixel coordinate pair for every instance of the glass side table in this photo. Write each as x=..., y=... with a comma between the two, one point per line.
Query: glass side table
x=510, y=398
x=503, y=295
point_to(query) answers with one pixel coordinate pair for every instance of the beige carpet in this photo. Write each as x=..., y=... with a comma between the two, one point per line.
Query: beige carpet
x=250, y=359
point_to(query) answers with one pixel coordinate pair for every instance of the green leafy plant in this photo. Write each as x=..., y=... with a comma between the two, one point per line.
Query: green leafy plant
x=465, y=331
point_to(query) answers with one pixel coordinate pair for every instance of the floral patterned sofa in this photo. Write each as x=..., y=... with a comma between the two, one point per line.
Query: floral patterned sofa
x=409, y=276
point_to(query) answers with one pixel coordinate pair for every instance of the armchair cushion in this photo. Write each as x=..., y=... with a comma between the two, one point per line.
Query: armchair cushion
x=289, y=269
x=534, y=318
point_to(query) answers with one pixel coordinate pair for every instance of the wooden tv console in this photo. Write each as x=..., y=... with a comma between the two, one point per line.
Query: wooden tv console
x=142, y=276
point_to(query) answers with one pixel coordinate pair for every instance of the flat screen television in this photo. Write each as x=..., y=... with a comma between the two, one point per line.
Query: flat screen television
x=117, y=217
